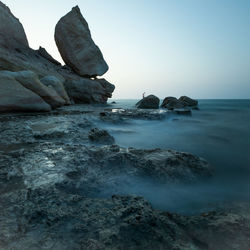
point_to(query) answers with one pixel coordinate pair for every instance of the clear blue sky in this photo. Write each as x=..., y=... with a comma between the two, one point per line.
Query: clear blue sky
x=165, y=47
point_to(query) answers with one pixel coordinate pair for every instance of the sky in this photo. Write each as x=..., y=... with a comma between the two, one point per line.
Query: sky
x=197, y=48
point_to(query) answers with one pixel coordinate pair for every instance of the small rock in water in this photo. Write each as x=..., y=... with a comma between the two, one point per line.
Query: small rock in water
x=101, y=136
x=149, y=102
x=174, y=103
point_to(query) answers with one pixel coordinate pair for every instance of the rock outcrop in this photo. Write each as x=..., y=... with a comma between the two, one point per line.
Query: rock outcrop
x=16, y=56
x=78, y=50
x=149, y=102
x=12, y=35
x=85, y=90
x=57, y=85
x=174, y=103
x=30, y=81
x=43, y=52
x=15, y=97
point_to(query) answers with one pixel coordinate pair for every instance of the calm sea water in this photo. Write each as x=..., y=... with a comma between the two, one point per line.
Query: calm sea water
x=218, y=132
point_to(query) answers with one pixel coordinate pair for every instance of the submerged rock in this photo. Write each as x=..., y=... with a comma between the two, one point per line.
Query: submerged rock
x=78, y=50
x=101, y=136
x=149, y=102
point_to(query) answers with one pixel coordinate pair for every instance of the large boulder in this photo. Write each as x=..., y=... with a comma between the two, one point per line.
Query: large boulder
x=12, y=34
x=149, y=102
x=78, y=50
x=174, y=103
x=188, y=101
x=15, y=97
x=57, y=85
x=30, y=81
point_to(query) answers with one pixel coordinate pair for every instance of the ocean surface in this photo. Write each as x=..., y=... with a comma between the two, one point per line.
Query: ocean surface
x=218, y=132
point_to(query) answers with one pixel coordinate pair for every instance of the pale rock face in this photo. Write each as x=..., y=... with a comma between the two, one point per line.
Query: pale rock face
x=78, y=50
x=15, y=97
x=30, y=81
x=12, y=34
x=57, y=85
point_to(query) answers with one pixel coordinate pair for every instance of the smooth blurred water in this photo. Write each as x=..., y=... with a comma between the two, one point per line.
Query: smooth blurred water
x=218, y=132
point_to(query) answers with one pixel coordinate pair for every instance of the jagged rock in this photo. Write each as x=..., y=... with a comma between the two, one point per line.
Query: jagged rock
x=15, y=97
x=43, y=52
x=12, y=35
x=57, y=85
x=109, y=87
x=30, y=81
x=85, y=90
x=188, y=101
x=101, y=136
x=149, y=102
x=78, y=50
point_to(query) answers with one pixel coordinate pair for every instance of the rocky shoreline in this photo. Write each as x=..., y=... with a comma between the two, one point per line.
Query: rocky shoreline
x=60, y=189
x=62, y=173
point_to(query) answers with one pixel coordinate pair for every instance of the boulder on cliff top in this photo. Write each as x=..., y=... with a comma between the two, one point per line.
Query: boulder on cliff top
x=78, y=50
x=149, y=102
x=12, y=34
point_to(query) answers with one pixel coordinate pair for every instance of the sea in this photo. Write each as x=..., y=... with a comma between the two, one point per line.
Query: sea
x=218, y=132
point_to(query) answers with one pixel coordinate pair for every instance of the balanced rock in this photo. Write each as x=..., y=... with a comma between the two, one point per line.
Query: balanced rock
x=78, y=50
x=15, y=97
x=12, y=34
x=149, y=102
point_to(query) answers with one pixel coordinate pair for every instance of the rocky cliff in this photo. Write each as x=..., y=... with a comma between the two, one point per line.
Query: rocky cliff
x=72, y=80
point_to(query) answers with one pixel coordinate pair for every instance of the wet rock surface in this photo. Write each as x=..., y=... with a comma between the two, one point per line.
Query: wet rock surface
x=58, y=191
x=101, y=136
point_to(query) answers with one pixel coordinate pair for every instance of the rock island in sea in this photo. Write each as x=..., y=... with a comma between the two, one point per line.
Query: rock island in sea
x=61, y=172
